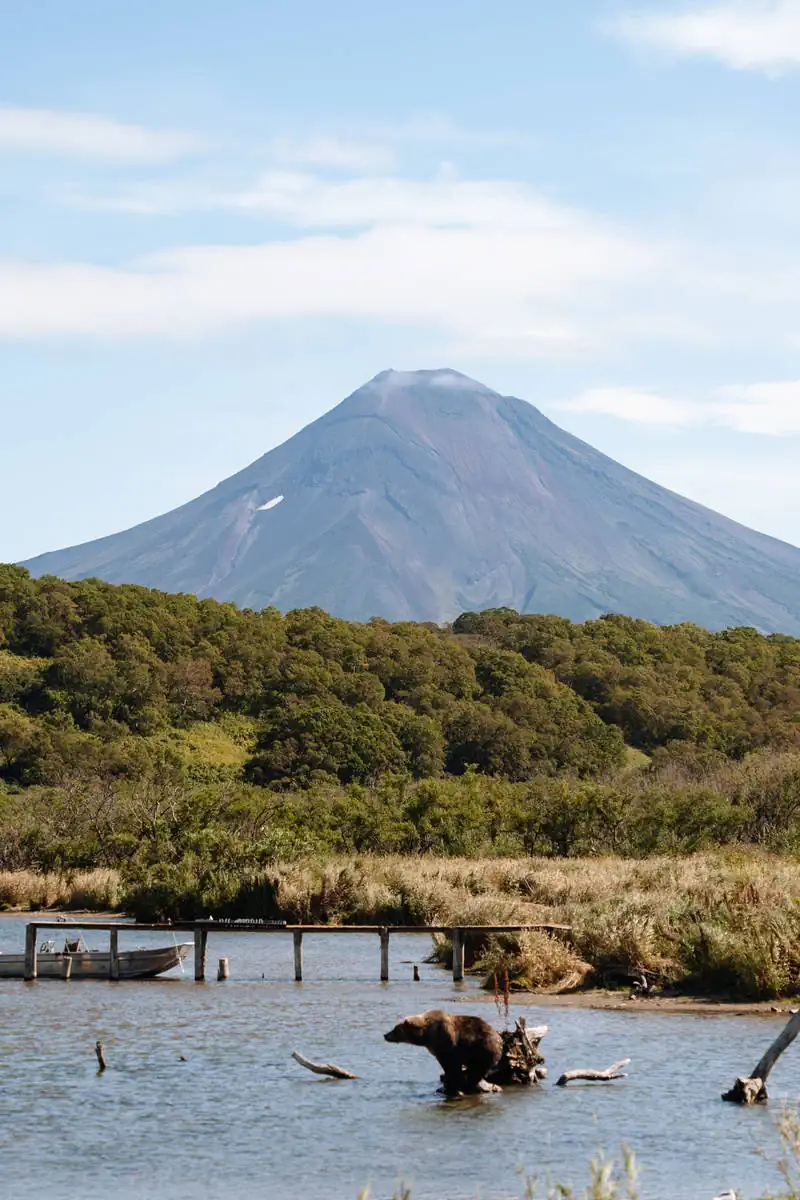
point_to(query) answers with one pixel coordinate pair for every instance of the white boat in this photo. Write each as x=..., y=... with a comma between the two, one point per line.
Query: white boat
x=94, y=964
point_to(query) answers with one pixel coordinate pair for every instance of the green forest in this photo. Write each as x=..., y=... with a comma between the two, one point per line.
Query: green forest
x=185, y=742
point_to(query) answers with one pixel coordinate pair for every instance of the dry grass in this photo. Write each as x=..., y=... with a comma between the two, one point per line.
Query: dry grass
x=725, y=922
x=534, y=961
x=415, y=891
x=96, y=890
x=537, y=888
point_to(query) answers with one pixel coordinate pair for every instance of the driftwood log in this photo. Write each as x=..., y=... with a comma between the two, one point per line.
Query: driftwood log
x=612, y=1072
x=522, y=1060
x=323, y=1068
x=752, y=1089
x=454, y=1091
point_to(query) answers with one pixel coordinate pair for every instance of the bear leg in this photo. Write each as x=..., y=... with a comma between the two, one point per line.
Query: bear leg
x=452, y=1073
x=477, y=1068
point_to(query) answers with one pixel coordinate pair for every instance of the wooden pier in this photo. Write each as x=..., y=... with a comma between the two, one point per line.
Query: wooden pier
x=201, y=929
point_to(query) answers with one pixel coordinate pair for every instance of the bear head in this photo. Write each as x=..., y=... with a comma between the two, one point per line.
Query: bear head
x=413, y=1030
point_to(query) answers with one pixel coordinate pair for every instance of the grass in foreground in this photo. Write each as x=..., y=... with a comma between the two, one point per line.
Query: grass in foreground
x=608, y=1181
x=619, y=1181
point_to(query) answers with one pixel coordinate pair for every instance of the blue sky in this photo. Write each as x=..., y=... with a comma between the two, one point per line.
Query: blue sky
x=217, y=220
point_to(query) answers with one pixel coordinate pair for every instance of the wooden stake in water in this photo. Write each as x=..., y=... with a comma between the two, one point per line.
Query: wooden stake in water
x=101, y=1062
x=384, y=956
x=298, y=956
x=222, y=970
x=458, y=955
x=113, y=956
x=31, y=965
x=200, y=939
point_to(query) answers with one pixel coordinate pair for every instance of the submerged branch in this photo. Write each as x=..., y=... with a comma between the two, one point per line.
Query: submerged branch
x=323, y=1068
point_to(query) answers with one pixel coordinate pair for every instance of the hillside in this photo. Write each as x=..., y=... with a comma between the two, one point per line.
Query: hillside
x=102, y=679
x=425, y=494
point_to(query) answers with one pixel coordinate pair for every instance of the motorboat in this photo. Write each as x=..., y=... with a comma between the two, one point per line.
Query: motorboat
x=74, y=960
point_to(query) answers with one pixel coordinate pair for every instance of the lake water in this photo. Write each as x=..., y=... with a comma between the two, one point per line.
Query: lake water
x=240, y=1118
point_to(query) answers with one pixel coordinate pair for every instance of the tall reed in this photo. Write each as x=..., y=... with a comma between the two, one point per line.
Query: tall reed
x=95, y=890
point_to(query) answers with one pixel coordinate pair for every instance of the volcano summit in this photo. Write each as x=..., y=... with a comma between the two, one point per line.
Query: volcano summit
x=424, y=494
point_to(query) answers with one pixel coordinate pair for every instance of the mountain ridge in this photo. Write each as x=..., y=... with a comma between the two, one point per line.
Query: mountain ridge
x=426, y=493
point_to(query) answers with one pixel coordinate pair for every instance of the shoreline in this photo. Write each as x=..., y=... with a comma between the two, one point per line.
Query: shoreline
x=52, y=914
x=602, y=1000
x=597, y=999
x=623, y=911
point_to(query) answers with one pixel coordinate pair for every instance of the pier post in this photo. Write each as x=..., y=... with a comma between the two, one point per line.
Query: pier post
x=31, y=964
x=113, y=954
x=200, y=939
x=66, y=967
x=222, y=970
x=458, y=955
x=384, y=956
x=298, y=956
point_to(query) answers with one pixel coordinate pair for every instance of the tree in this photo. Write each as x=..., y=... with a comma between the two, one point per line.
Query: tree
x=190, y=690
x=305, y=739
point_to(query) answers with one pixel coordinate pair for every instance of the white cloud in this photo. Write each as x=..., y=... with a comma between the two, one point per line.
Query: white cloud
x=743, y=34
x=85, y=135
x=766, y=408
x=632, y=404
x=312, y=201
x=487, y=263
x=342, y=154
x=771, y=408
x=142, y=199
x=540, y=336
x=436, y=129
x=498, y=268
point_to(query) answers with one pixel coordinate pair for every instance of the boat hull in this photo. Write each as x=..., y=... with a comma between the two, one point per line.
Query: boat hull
x=96, y=964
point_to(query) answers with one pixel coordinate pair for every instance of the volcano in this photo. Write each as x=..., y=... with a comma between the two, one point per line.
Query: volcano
x=425, y=494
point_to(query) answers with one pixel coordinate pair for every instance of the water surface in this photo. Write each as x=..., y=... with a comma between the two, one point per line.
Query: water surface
x=240, y=1118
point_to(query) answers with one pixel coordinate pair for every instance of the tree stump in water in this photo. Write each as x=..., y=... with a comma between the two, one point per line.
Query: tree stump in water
x=522, y=1061
x=752, y=1089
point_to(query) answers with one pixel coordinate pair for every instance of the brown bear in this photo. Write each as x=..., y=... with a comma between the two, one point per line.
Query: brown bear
x=467, y=1048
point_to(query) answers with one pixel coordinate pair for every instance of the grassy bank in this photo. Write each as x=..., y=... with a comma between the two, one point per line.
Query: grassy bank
x=712, y=923
x=721, y=923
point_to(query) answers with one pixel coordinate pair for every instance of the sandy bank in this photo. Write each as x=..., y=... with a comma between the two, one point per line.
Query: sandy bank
x=619, y=1002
